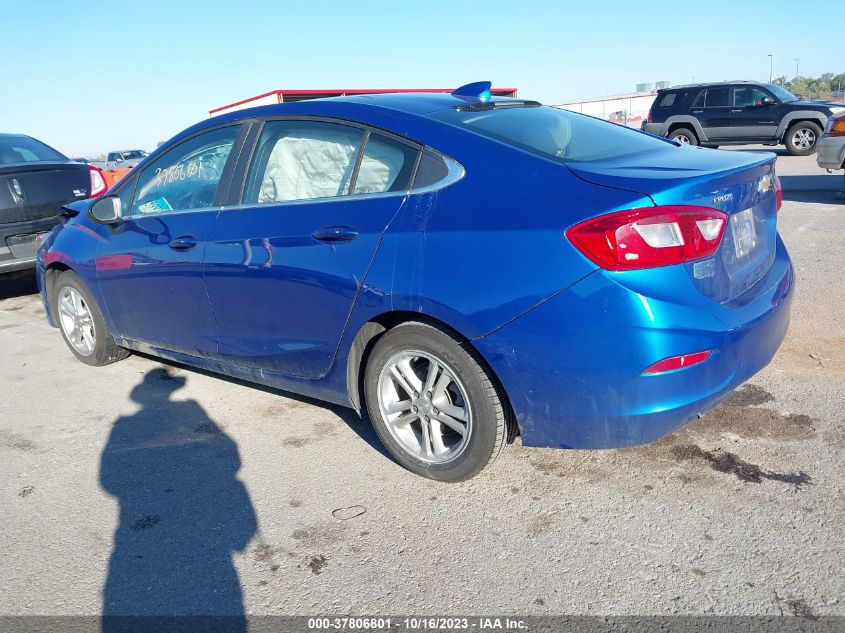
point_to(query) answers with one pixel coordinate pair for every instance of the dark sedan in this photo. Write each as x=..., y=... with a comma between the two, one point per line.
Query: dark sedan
x=35, y=182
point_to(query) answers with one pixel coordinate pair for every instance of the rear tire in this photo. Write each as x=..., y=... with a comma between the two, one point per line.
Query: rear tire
x=81, y=322
x=683, y=136
x=802, y=138
x=447, y=425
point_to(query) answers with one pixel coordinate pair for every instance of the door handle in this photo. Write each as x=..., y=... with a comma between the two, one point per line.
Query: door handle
x=184, y=243
x=333, y=234
x=738, y=110
x=697, y=111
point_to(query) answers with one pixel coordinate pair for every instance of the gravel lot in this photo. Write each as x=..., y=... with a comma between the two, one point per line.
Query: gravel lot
x=238, y=495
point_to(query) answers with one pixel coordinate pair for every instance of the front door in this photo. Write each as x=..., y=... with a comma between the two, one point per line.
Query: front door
x=284, y=268
x=150, y=265
x=751, y=117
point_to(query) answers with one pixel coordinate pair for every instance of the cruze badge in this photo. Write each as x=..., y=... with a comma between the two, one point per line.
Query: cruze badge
x=723, y=198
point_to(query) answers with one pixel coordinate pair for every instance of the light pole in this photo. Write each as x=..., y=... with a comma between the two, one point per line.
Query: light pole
x=770, y=68
x=796, y=68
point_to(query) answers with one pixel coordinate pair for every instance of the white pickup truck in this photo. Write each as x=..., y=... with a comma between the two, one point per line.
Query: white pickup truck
x=125, y=159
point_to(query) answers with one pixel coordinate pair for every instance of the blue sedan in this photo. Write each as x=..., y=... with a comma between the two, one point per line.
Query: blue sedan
x=464, y=268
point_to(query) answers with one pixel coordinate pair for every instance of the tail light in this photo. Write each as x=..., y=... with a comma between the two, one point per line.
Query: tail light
x=836, y=127
x=98, y=181
x=649, y=118
x=778, y=193
x=646, y=238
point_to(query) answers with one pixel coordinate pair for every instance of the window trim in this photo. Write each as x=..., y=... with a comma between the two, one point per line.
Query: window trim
x=455, y=170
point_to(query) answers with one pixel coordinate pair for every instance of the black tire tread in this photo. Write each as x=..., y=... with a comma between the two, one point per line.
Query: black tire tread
x=787, y=140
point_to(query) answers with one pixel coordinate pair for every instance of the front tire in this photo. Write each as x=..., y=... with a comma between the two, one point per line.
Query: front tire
x=683, y=136
x=81, y=322
x=802, y=138
x=433, y=404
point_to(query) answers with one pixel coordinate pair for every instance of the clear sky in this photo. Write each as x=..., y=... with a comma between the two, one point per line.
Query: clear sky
x=87, y=76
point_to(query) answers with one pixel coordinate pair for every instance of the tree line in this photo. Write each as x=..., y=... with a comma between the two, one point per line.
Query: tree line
x=823, y=87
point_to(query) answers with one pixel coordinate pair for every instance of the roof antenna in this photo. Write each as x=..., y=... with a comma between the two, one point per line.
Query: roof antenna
x=476, y=90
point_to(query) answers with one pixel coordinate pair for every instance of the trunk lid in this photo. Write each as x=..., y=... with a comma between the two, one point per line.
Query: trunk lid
x=739, y=183
x=32, y=191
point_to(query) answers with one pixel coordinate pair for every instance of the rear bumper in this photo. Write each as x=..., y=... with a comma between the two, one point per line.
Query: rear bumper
x=17, y=243
x=831, y=152
x=658, y=129
x=572, y=367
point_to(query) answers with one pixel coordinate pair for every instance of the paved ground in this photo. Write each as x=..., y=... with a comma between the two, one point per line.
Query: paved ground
x=235, y=495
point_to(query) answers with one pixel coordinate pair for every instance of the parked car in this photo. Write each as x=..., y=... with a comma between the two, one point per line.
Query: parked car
x=125, y=159
x=35, y=182
x=832, y=145
x=739, y=112
x=463, y=268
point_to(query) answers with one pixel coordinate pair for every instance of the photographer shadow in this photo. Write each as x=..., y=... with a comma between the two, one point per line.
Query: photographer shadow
x=183, y=512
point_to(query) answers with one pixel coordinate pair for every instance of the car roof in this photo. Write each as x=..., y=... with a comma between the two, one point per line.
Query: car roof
x=381, y=110
x=712, y=83
x=418, y=103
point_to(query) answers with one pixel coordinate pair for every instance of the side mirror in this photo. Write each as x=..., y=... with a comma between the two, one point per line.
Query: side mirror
x=106, y=210
x=767, y=101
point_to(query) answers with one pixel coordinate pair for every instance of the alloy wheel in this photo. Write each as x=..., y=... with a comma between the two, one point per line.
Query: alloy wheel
x=803, y=139
x=424, y=406
x=683, y=139
x=76, y=321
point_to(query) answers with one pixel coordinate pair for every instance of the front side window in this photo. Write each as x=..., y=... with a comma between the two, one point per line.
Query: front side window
x=553, y=132
x=187, y=176
x=718, y=98
x=747, y=97
x=302, y=160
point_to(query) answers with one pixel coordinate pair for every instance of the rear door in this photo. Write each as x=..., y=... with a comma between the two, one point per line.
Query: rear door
x=284, y=268
x=750, y=117
x=150, y=266
x=713, y=110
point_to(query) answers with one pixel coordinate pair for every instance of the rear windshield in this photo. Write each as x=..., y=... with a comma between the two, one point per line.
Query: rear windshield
x=23, y=149
x=554, y=133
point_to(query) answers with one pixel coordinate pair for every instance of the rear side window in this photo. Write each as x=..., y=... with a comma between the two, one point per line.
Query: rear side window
x=23, y=149
x=432, y=169
x=668, y=99
x=717, y=98
x=699, y=100
x=553, y=133
x=386, y=165
x=302, y=160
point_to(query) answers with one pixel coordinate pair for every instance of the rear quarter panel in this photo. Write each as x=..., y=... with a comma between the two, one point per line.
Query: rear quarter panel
x=489, y=247
x=73, y=245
